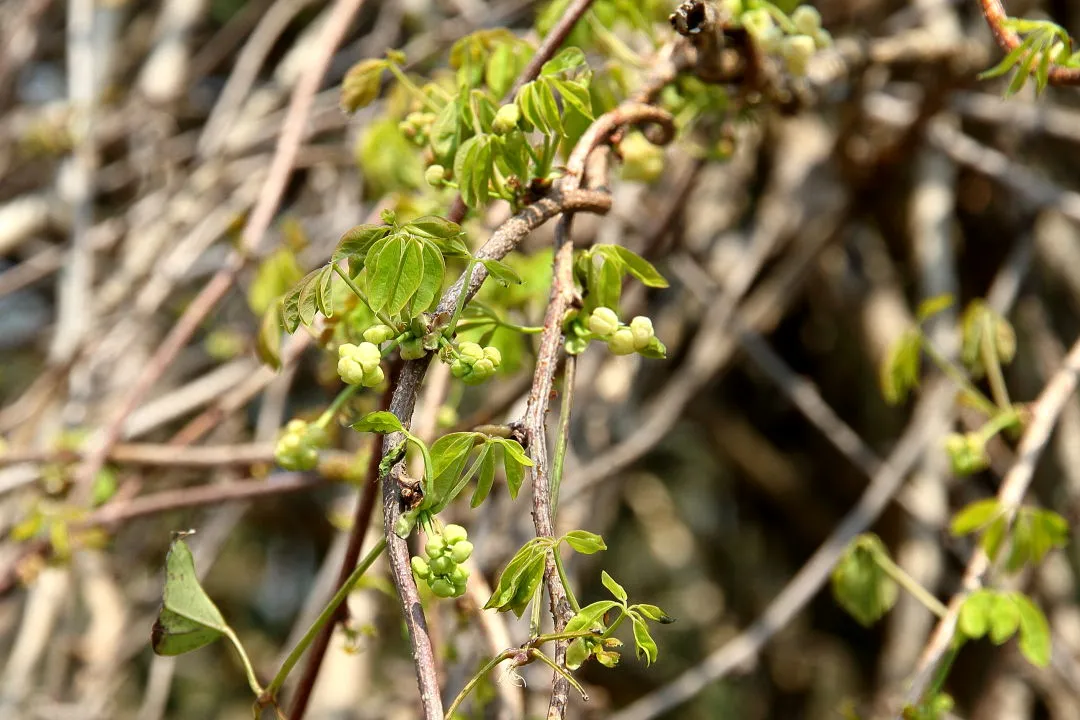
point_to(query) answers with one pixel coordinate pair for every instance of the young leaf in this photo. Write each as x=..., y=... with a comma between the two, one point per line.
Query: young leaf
x=861, y=587
x=1020, y=540
x=503, y=273
x=932, y=306
x=514, y=471
x=324, y=291
x=361, y=84
x=430, y=281
x=994, y=537
x=974, y=618
x=507, y=585
x=274, y=277
x=356, y=242
x=636, y=265
x=584, y=542
x=189, y=619
x=577, y=652
x=575, y=95
x=1005, y=65
x=514, y=450
x=1034, y=631
x=900, y=371
x=613, y=587
x=646, y=646
x=652, y=612
x=447, y=131
x=1004, y=618
x=608, y=285
x=530, y=578
x=1048, y=531
x=975, y=516
x=473, y=170
x=449, y=455
x=487, y=475
x=268, y=343
x=398, y=273
x=432, y=226
x=380, y=421
x=590, y=616
x=567, y=61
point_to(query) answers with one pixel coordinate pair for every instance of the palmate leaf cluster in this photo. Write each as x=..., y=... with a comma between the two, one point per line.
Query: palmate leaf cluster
x=1043, y=44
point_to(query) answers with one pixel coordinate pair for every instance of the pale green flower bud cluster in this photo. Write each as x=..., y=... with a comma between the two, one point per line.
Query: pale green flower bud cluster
x=442, y=570
x=475, y=364
x=360, y=364
x=298, y=447
x=967, y=453
x=416, y=126
x=796, y=48
x=623, y=339
x=506, y=119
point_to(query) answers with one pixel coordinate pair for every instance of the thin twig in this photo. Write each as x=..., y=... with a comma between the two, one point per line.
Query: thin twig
x=995, y=15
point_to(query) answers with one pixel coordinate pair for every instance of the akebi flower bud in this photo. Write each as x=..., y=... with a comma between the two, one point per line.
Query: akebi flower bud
x=374, y=377
x=435, y=546
x=603, y=322
x=442, y=588
x=461, y=551
x=442, y=565
x=807, y=19
x=378, y=334
x=642, y=329
x=492, y=353
x=459, y=575
x=453, y=534
x=622, y=341
x=420, y=567
x=359, y=364
x=506, y=119
x=797, y=51
x=967, y=453
x=298, y=447
x=435, y=175
x=459, y=369
x=757, y=22
x=470, y=352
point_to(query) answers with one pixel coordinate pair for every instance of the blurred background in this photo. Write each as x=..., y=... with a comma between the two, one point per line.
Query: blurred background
x=135, y=138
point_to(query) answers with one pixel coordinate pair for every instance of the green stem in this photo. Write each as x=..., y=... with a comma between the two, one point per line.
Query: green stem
x=253, y=681
x=942, y=673
x=411, y=87
x=460, y=305
x=1003, y=420
x=562, y=433
x=324, y=617
x=561, y=670
x=992, y=363
x=565, y=581
x=615, y=625
x=481, y=322
x=957, y=376
x=475, y=680
x=614, y=45
x=910, y=584
x=339, y=402
x=360, y=294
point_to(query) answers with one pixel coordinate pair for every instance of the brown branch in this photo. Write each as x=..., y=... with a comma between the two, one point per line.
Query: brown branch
x=156, y=454
x=361, y=523
x=258, y=223
x=1044, y=414
x=1007, y=40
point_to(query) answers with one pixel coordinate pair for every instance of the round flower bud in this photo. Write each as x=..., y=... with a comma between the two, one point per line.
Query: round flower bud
x=435, y=546
x=622, y=342
x=296, y=427
x=642, y=329
x=461, y=551
x=413, y=349
x=454, y=534
x=442, y=565
x=492, y=353
x=506, y=119
x=483, y=368
x=351, y=372
x=459, y=575
x=420, y=566
x=470, y=352
x=807, y=19
x=459, y=369
x=368, y=355
x=797, y=51
x=373, y=377
x=603, y=321
x=757, y=22
x=435, y=175
x=442, y=588
x=378, y=334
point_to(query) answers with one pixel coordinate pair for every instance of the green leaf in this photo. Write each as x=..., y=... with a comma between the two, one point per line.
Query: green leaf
x=584, y=542
x=576, y=96
x=473, y=170
x=613, y=587
x=520, y=580
x=590, y=617
x=503, y=273
x=513, y=447
x=174, y=634
x=977, y=322
x=1005, y=65
x=646, y=646
x=1034, y=631
x=993, y=538
x=1020, y=540
x=356, y=242
x=447, y=131
x=859, y=584
x=298, y=305
x=900, y=371
x=449, y=455
x=652, y=612
x=567, y=62
x=487, y=475
x=1048, y=531
x=1004, y=618
x=531, y=577
x=608, y=288
x=932, y=306
x=434, y=267
x=324, y=291
x=361, y=84
x=974, y=618
x=397, y=276
x=380, y=421
x=189, y=619
x=268, y=342
x=975, y=516
x=515, y=473
x=503, y=66
x=577, y=652
x=636, y=265
x=432, y=226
